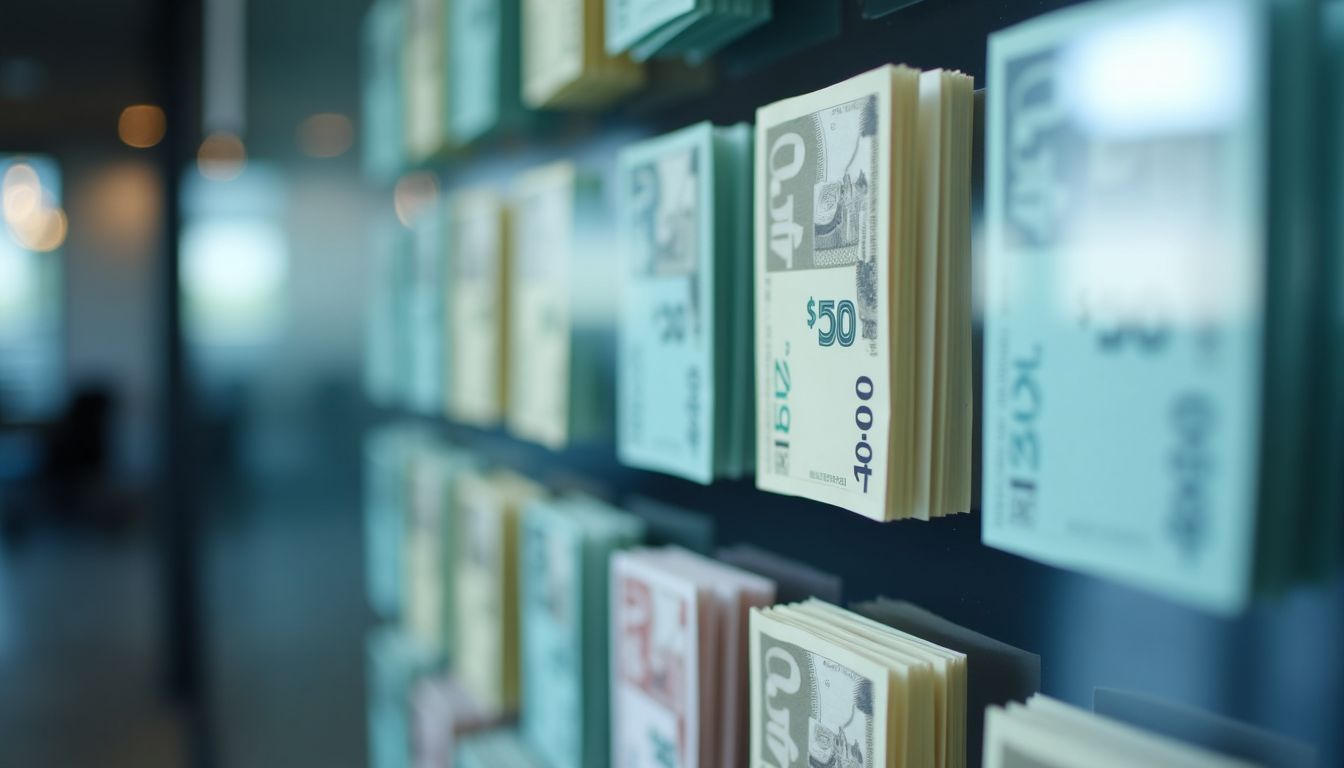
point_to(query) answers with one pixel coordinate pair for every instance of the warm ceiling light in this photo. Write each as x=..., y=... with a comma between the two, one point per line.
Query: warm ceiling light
x=221, y=157
x=326, y=134
x=414, y=192
x=142, y=125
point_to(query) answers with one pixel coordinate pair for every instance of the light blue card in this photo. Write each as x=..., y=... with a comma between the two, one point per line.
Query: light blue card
x=1124, y=311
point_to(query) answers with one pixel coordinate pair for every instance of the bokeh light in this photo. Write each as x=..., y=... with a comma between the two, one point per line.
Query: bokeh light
x=222, y=157
x=414, y=192
x=141, y=125
x=326, y=134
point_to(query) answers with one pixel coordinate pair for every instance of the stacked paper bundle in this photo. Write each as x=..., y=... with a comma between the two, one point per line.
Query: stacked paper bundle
x=863, y=294
x=1048, y=732
x=565, y=64
x=431, y=543
x=382, y=143
x=486, y=586
x=678, y=657
x=476, y=314
x=395, y=661
x=829, y=687
x=387, y=462
x=503, y=748
x=566, y=544
x=691, y=28
x=484, y=65
x=441, y=714
x=561, y=308
x=1154, y=305
x=684, y=375
x=430, y=340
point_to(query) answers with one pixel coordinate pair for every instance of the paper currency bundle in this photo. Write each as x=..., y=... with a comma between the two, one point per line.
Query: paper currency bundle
x=431, y=543
x=678, y=654
x=387, y=471
x=684, y=383
x=486, y=600
x=565, y=63
x=387, y=342
x=476, y=312
x=566, y=544
x=395, y=660
x=690, y=28
x=1048, y=732
x=561, y=308
x=429, y=344
x=829, y=687
x=484, y=68
x=863, y=335
x=500, y=748
x=442, y=713
x=1154, y=342
x=382, y=139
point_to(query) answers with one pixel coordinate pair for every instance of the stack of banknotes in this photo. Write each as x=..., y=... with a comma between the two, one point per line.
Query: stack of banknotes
x=684, y=383
x=441, y=713
x=678, y=623
x=863, y=334
x=382, y=137
x=830, y=687
x=387, y=461
x=561, y=308
x=429, y=342
x=499, y=748
x=566, y=545
x=485, y=646
x=1046, y=732
x=564, y=59
x=431, y=543
x=386, y=344
x=478, y=277
x=394, y=662
x=484, y=64
x=425, y=83
x=1155, y=352
x=690, y=28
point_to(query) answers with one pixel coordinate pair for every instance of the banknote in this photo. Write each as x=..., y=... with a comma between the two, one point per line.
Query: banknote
x=666, y=388
x=656, y=687
x=813, y=703
x=425, y=91
x=476, y=368
x=830, y=406
x=381, y=39
x=552, y=633
x=539, y=307
x=1124, y=328
x=425, y=310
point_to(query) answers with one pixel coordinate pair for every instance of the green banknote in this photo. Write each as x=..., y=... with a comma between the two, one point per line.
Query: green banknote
x=383, y=140
x=561, y=308
x=476, y=316
x=684, y=376
x=1143, y=326
x=425, y=312
x=565, y=547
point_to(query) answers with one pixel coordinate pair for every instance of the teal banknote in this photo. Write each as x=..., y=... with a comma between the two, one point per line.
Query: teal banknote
x=1144, y=323
x=684, y=383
